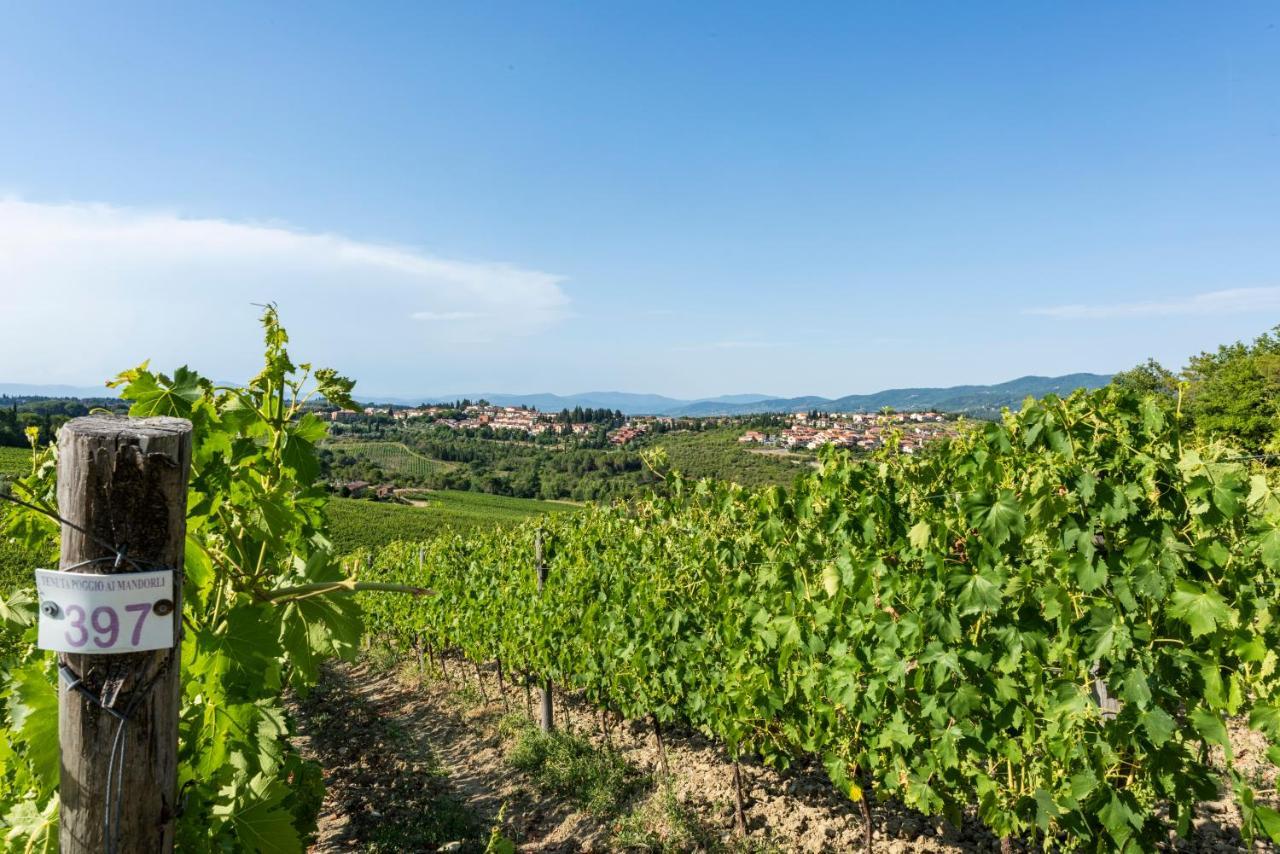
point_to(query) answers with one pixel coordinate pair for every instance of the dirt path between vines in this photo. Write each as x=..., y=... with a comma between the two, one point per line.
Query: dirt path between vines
x=444, y=737
x=419, y=766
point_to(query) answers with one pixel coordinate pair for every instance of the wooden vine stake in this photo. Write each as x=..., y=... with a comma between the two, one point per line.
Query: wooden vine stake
x=124, y=481
x=418, y=640
x=502, y=685
x=547, y=721
x=604, y=726
x=868, y=829
x=662, y=747
x=739, y=807
x=417, y=649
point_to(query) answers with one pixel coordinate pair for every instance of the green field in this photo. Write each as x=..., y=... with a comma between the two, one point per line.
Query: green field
x=355, y=524
x=15, y=461
x=391, y=457
x=718, y=454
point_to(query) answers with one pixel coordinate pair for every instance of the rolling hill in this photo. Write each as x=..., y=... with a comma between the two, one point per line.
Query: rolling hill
x=629, y=403
x=971, y=399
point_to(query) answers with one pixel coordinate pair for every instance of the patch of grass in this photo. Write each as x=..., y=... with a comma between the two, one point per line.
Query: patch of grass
x=355, y=524
x=485, y=507
x=662, y=824
x=512, y=724
x=568, y=765
x=392, y=457
x=383, y=658
x=466, y=694
x=14, y=462
x=445, y=819
x=718, y=454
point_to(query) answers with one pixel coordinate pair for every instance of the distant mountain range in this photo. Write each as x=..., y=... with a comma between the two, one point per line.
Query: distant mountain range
x=969, y=399
x=628, y=402
x=32, y=390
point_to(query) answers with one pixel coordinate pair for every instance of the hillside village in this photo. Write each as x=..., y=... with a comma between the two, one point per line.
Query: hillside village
x=519, y=419
x=804, y=430
x=856, y=430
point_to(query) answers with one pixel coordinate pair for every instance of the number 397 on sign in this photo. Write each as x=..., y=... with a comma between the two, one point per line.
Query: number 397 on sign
x=105, y=614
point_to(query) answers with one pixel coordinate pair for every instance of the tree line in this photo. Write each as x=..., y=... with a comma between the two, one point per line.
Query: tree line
x=45, y=414
x=1230, y=393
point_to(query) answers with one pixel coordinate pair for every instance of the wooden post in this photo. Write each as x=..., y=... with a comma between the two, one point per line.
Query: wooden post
x=547, y=721
x=868, y=829
x=502, y=685
x=739, y=808
x=123, y=480
x=417, y=649
x=662, y=748
x=480, y=684
x=421, y=640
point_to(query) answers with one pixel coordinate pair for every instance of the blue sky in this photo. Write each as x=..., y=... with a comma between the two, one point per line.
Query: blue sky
x=690, y=199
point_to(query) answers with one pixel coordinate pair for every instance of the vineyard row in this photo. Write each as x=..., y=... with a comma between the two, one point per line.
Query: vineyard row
x=936, y=628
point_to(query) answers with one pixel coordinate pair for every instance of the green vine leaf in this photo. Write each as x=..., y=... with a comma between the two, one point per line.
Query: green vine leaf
x=259, y=822
x=1202, y=609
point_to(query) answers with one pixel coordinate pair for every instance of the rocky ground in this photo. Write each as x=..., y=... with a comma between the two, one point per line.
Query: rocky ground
x=418, y=764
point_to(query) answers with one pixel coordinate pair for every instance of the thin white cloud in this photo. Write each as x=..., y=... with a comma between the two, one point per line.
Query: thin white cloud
x=1232, y=301
x=120, y=284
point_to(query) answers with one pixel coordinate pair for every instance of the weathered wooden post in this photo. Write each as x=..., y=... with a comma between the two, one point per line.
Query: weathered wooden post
x=547, y=721
x=123, y=482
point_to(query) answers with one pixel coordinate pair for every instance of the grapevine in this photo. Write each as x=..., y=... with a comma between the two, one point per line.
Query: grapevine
x=264, y=602
x=937, y=628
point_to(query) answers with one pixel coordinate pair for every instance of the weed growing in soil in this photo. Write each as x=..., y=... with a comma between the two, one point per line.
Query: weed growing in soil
x=443, y=820
x=568, y=765
x=466, y=694
x=498, y=841
x=662, y=824
x=382, y=658
x=512, y=724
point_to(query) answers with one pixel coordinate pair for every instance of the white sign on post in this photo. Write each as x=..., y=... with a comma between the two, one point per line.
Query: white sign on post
x=105, y=614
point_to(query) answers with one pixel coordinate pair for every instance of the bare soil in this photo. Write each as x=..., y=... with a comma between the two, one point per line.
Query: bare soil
x=451, y=736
